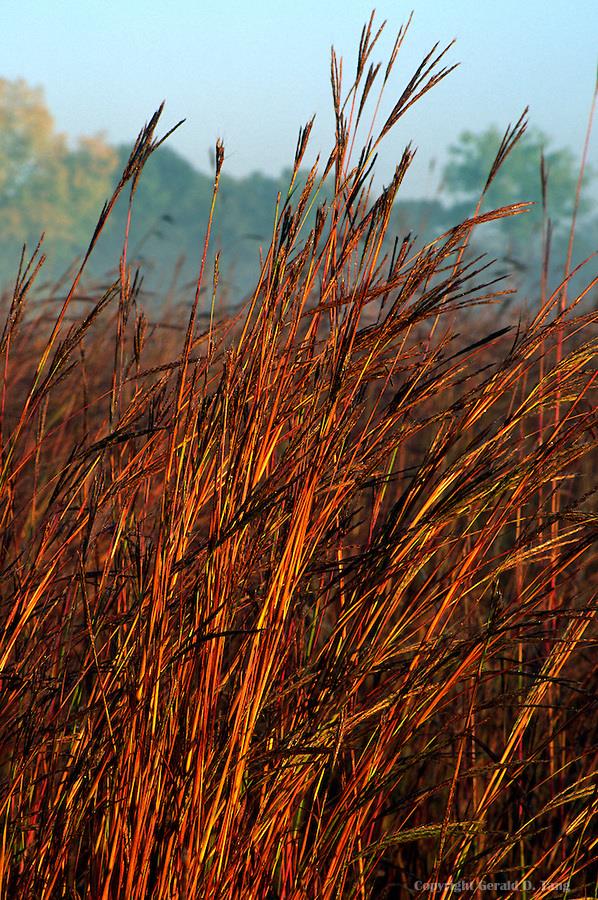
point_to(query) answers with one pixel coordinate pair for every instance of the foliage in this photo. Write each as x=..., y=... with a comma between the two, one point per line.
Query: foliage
x=43, y=184
x=62, y=191
x=470, y=161
x=49, y=187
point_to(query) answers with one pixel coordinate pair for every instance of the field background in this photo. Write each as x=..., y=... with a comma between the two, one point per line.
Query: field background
x=298, y=587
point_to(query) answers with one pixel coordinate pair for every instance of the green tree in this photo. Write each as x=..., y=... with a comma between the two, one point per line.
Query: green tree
x=518, y=179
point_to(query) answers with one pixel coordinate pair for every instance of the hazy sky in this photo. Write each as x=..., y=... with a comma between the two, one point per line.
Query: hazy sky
x=253, y=72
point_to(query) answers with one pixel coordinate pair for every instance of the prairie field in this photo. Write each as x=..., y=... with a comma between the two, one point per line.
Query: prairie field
x=298, y=600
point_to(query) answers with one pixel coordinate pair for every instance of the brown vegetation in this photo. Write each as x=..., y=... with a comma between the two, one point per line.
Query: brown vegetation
x=298, y=603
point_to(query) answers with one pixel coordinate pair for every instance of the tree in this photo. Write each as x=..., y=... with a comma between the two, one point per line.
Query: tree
x=518, y=179
x=45, y=186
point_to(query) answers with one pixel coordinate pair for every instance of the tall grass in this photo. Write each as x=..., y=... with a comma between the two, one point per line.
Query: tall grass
x=288, y=609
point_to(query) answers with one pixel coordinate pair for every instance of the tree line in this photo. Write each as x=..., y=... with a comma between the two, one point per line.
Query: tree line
x=49, y=185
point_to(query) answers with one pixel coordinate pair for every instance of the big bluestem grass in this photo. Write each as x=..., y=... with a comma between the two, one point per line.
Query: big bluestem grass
x=288, y=606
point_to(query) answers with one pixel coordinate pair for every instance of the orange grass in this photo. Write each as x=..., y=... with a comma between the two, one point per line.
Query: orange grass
x=288, y=608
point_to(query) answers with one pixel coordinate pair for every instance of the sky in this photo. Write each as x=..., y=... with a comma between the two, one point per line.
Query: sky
x=252, y=73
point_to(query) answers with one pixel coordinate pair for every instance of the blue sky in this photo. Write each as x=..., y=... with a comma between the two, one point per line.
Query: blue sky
x=253, y=72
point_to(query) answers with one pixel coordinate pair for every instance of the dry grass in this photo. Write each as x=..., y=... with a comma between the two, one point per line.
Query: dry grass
x=299, y=604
